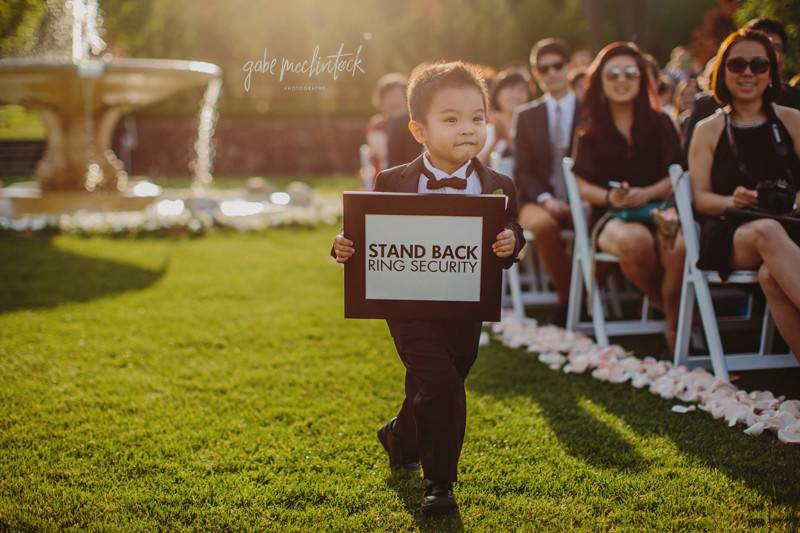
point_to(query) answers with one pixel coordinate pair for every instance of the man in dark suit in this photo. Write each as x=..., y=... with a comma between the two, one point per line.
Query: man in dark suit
x=704, y=104
x=543, y=132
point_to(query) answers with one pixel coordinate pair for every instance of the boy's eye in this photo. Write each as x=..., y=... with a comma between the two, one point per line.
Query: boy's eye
x=478, y=119
x=450, y=119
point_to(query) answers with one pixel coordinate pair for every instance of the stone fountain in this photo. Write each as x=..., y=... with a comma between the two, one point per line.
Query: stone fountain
x=81, y=95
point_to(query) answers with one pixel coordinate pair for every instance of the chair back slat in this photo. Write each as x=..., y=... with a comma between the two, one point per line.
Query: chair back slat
x=579, y=223
x=682, y=187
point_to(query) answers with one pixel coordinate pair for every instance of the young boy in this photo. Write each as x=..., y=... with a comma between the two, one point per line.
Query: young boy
x=448, y=106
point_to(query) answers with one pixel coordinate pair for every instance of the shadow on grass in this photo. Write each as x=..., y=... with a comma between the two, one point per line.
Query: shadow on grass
x=35, y=275
x=409, y=489
x=764, y=463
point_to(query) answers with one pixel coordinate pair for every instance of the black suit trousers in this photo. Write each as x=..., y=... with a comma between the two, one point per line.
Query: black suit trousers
x=437, y=356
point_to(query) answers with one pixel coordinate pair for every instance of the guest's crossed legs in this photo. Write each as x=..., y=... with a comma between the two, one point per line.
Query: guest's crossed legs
x=764, y=245
x=432, y=419
x=546, y=231
x=657, y=271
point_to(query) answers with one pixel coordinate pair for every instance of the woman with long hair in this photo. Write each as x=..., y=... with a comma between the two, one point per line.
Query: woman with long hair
x=734, y=156
x=622, y=159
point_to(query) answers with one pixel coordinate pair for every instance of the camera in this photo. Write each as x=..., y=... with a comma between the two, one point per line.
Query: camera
x=776, y=196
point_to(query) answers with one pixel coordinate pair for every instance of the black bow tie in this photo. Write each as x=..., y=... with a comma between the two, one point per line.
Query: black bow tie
x=451, y=181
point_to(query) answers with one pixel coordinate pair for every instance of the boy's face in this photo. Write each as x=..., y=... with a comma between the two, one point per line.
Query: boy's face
x=455, y=127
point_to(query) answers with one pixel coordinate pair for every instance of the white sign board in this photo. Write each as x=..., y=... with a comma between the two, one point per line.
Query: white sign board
x=420, y=257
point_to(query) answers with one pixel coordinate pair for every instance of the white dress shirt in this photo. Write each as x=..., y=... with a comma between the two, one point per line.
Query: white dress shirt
x=567, y=104
x=473, y=182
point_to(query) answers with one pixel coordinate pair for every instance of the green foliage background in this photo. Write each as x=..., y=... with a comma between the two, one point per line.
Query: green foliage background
x=395, y=35
x=788, y=12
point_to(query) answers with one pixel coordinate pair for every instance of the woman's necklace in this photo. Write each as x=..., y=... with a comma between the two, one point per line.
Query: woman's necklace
x=749, y=124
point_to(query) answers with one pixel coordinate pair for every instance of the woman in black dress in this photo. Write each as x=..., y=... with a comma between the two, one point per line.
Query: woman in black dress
x=628, y=140
x=730, y=154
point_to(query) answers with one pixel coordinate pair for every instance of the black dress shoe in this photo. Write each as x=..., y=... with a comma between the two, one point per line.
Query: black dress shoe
x=437, y=497
x=391, y=443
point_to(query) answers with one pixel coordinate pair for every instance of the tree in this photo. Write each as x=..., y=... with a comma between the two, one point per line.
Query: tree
x=786, y=11
x=395, y=35
x=20, y=21
x=717, y=24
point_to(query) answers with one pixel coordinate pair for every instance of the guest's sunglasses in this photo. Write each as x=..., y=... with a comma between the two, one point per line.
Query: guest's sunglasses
x=630, y=73
x=758, y=65
x=544, y=69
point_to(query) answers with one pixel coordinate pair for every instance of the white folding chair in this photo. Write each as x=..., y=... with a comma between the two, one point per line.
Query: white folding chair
x=525, y=282
x=582, y=274
x=696, y=287
x=367, y=172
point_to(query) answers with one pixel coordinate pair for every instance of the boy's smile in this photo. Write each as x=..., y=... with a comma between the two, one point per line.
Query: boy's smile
x=455, y=127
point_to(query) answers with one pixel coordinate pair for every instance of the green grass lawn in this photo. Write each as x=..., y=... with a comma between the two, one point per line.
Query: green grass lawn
x=213, y=384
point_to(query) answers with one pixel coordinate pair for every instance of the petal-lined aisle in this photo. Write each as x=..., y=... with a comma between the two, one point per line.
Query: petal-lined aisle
x=573, y=352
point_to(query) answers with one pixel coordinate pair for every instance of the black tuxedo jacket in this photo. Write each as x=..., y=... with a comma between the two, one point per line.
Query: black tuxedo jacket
x=533, y=155
x=405, y=178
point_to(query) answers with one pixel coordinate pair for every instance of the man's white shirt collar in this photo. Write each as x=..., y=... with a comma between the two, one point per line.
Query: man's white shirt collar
x=567, y=101
x=473, y=182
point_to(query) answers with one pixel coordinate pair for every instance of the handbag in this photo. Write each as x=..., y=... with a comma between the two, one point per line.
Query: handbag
x=643, y=214
x=661, y=214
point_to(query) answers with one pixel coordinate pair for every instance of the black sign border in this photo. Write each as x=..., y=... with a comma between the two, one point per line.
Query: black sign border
x=358, y=204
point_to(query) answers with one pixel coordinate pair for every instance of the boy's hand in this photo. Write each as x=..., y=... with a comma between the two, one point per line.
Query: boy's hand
x=504, y=245
x=343, y=247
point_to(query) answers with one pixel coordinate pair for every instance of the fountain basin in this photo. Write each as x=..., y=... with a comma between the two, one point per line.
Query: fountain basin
x=27, y=198
x=81, y=103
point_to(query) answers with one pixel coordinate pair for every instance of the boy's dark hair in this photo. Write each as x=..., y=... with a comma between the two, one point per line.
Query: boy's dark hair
x=429, y=78
x=769, y=26
x=387, y=82
x=718, y=87
x=549, y=46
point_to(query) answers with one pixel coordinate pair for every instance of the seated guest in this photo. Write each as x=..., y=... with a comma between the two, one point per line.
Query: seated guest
x=665, y=89
x=577, y=80
x=731, y=154
x=682, y=102
x=627, y=140
x=390, y=99
x=681, y=65
x=509, y=91
x=543, y=135
x=581, y=59
x=402, y=146
x=705, y=105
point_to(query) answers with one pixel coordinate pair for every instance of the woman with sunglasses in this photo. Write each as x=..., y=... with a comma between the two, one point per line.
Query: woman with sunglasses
x=749, y=142
x=622, y=159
